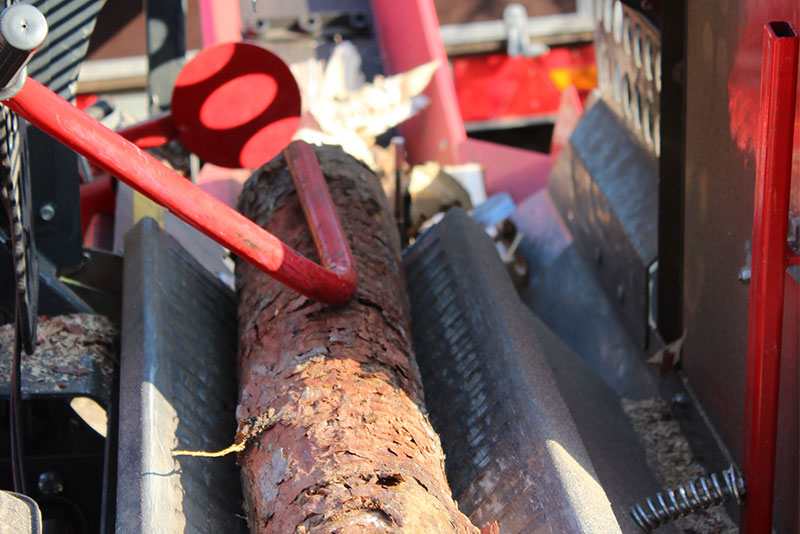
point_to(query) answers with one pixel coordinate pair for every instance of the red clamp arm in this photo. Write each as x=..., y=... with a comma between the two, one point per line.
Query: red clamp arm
x=334, y=282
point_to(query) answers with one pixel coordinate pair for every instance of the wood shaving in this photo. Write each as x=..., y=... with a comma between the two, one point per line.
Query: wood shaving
x=68, y=348
x=670, y=458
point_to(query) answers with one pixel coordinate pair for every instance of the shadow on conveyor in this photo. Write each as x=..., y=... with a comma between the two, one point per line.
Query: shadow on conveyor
x=534, y=437
x=177, y=391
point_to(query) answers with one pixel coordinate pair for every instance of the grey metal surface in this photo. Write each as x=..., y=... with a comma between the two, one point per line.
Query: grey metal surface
x=177, y=391
x=613, y=446
x=54, y=182
x=205, y=250
x=58, y=60
x=53, y=167
x=98, y=282
x=557, y=26
x=166, y=50
x=544, y=235
x=607, y=193
x=518, y=40
x=513, y=453
x=19, y=514
x=23, y=28
x=605, y=365
x=311, y=28
x=569, y=300
x=628, y=49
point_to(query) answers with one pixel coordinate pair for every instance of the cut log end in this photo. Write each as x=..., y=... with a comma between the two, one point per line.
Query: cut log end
x=349, y=447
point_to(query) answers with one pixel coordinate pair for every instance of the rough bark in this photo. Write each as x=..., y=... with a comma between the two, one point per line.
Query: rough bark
x=331, y=404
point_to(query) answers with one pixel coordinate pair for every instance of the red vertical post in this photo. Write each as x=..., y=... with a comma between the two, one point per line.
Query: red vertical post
x=769, y=261
x=408, y=32
x=220, y=21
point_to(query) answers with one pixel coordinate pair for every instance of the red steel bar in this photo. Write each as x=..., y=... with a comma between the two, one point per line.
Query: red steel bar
x=317, y=205
x=437, y=131
x=123, y=160
x=769, y=261
x=151, y=133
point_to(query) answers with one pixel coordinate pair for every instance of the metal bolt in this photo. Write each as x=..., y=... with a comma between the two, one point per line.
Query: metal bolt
x=680, y=399
x=47, y=212
x=50, y=483
x=262, y=26
x=358, y=21
x=310, y=22
x=744, y=275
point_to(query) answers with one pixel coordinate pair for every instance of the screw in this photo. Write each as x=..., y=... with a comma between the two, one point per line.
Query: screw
x=310, y=22
x=358, y=21
x=744, y=275
x=47, y=212
x=680, y=399
x=50, y=483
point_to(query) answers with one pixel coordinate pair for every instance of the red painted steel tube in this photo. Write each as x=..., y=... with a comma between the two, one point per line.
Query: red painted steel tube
x=408, y=31
x=220, y=22
x=123, y=160
x=769, y=260
x=318, y=206
x=151, y=133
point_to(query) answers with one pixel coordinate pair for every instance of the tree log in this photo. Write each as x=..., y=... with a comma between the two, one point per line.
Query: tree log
x=331, y=404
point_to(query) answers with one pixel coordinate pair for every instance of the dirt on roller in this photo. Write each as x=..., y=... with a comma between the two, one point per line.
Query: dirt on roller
x=331, y=404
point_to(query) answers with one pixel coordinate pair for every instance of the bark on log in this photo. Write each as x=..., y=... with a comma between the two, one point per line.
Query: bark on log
x=331, y=404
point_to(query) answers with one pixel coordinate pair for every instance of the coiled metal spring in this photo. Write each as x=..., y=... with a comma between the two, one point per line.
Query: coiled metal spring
x=689, y=499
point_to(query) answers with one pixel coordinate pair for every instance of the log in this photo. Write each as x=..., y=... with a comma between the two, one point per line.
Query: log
x=331, y=405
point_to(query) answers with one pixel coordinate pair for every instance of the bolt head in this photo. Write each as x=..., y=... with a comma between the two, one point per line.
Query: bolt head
x=50, y=483
x=680, y=398
x=47, y=212
x=744, y=275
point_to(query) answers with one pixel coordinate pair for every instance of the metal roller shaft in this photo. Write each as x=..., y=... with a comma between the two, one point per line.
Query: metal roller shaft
x=23, y=29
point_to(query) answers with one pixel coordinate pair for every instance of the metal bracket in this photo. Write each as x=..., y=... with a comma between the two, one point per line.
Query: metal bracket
x=515, y=19
x=793, y=239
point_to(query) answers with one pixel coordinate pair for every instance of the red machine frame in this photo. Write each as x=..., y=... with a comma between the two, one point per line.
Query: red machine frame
x=334, y=282
x=770, y=258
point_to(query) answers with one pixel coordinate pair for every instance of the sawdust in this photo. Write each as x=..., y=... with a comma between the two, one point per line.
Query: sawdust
x=670, y=457
x=68, y=348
